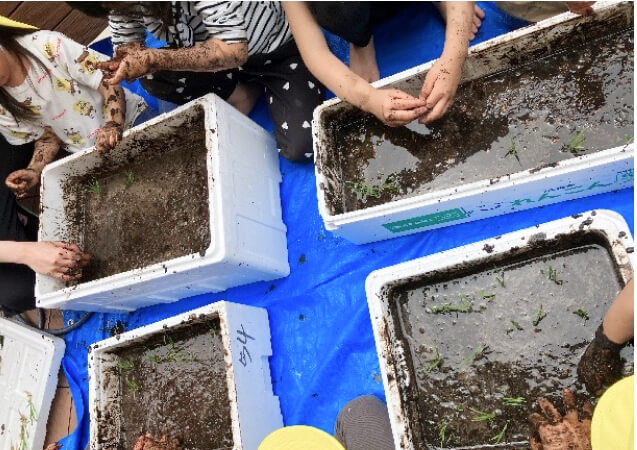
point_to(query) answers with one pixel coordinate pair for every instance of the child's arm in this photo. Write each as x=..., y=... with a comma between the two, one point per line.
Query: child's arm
x=55, y=259
x=443, y=78
x=619, y=320
x=23, y=180
x=391, y=106
x=210, y=56
x=114, y=114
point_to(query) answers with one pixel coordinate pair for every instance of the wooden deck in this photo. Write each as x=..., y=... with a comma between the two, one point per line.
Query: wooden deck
x=58, y=16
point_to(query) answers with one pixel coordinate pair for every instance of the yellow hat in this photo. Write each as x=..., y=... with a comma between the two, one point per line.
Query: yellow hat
x=612, y=427
x=300, y=437
x=6, y=22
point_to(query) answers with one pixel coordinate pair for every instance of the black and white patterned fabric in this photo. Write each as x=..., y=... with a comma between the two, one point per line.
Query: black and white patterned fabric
x=292, y=93
x=261, y=24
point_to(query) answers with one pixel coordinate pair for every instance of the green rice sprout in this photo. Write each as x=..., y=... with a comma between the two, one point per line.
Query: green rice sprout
x=364, y=189
x=553, y=275
x=517, y=325
x=500, y=278
x=476, y=354
x=168, y=340
x=132, y=386
x=130, y=179
x=514, y=401
x=464, y=306
x=24, y=432
x=481, y=416
x=124, y=365
x=95, y=188
x=513, y=151
x=436, y=361
x=576, y=143
x=486, y=295
x=443, y=433
x=390, y=185
x=33, y=414
x=628, y=139
x=583, y=314
x=539, y=316
x=498, y=437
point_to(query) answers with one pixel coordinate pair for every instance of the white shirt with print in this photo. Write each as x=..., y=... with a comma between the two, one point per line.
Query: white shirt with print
x=62, y=91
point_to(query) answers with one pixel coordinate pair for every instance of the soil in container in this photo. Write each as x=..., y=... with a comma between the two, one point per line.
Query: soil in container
x=175, y=384
x=485, y=341
x=147, y=210
x=573, y=102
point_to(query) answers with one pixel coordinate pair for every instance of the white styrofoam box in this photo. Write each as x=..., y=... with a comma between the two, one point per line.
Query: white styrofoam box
x=585, y=175
x=248, y=237
x=254, y=409
x=29, y=364
x=391, y=352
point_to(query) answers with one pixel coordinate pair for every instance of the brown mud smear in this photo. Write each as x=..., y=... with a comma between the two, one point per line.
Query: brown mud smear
x=175, y=384
x=147, y=210
x=570, y=103
x=485, y=341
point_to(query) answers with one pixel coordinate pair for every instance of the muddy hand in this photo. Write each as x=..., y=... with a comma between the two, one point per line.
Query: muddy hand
x=601, y=364
x=61, y=260
x=557, y=432
x=581, y=8
x=133, y=65
x=22, y=181
x=395, y=108
x=108, y=137
x=439, y=88
x=148, y=442
x=121, y=51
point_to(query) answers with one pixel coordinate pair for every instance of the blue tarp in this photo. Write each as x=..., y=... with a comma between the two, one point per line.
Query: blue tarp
x=324, y=352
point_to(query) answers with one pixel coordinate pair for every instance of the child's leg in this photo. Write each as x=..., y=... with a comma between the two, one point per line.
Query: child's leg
x=363, y=424
x=245, y=96
x=292, y=93
x=182, y=87
x=362, y=61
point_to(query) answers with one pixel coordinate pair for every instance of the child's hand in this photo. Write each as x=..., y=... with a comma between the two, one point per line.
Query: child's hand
x=558, y=432
x=581, y=8
x=108, y=137
x=129, y=64
x=60, y=260
x=22, y=181
x=440, y=87
x=394, y=107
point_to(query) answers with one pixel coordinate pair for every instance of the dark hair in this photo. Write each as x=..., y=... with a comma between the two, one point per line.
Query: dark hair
x=8, y=41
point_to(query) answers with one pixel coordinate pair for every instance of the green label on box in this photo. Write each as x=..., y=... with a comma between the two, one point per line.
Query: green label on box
x=426, y=221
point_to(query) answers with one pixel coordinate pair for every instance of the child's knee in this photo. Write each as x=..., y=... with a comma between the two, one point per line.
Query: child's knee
x=297, y=147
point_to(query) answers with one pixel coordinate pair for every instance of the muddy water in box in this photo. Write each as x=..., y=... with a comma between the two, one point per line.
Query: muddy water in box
x=175, y=384
x=149, y=210
x=510, y=330
x=571, y=103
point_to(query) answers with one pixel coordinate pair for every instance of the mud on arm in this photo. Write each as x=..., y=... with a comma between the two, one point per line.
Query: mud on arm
x=114, y=116
x=391, y=106
x=23, y=180
x=210, y=56
x=441, y=82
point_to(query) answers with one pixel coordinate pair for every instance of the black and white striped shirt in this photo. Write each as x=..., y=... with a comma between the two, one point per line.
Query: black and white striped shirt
x=261, y=24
